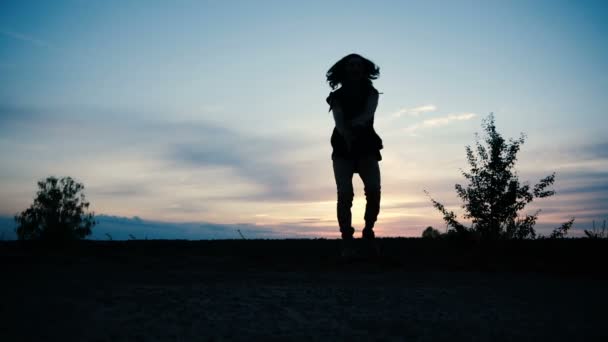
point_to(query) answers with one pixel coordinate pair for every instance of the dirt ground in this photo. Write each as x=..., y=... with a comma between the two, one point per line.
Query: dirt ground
x=157, y=294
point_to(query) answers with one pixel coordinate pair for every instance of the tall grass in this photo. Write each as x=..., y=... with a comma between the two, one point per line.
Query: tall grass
x=597, y=233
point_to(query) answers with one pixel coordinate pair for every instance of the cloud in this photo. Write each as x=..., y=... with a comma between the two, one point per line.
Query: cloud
x=592, y=189
x=254, y=158
x=416, y=111
x=407, y=205
x=119, y=190
x=596, y=150
x=26, y=38
x=440, y=121
x=164, y=166
x=121, y=227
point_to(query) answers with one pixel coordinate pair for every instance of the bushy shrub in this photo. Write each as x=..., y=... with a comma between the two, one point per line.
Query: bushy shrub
x=431, y=233
x=494, y=196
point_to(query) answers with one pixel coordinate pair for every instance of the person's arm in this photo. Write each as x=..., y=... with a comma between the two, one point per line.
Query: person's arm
x=341, y=125
x=368, y=113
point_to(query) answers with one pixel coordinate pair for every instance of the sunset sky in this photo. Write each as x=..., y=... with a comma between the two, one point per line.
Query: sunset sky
x=213, y=113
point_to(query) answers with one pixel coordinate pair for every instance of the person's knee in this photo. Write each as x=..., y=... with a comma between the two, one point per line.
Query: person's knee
x=372, y=189
x=345, y=197
x=372, y=194
x=370, y=175
x=346, y=194
x=345, y=187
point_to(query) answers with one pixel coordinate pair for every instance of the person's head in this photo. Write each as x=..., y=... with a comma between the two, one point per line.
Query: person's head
x=352, y=68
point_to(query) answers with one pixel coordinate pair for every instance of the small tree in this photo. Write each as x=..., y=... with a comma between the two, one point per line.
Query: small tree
x=494, y=196
x=59, y=212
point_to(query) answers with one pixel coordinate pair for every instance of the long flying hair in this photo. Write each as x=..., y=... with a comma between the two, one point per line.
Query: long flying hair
x=336, y=74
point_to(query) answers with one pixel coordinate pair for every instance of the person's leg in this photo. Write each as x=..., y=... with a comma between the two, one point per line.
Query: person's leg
x=369, y=171
x=343, y=173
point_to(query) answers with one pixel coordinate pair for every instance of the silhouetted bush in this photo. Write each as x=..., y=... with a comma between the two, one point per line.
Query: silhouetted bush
x=431, y=233
x=494, y=196
x=59, y=212
x=561, y=231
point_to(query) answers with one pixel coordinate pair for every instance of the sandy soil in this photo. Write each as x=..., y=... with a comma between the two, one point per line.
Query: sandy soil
x=154, y=296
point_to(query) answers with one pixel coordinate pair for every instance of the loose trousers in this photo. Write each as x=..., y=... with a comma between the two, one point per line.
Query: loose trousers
x=368, y=169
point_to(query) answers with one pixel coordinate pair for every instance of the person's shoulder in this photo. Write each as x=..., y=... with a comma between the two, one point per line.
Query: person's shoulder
x=373, y=94
x=374, y=91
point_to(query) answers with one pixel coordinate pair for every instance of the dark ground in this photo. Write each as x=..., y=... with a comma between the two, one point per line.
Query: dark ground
x=302, y=290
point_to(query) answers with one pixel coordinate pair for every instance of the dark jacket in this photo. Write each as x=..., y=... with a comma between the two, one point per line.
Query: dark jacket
x=366, y=141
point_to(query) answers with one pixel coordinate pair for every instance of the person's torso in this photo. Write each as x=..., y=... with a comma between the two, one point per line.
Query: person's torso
x=353, y=100
x=353, y=103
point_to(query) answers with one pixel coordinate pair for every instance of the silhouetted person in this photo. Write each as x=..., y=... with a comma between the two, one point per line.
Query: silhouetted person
x=356, y=145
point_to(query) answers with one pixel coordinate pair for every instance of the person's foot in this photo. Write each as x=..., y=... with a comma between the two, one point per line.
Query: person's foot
x=368, y=234
x=370, y=244
x=348, y=242
x=347, y=234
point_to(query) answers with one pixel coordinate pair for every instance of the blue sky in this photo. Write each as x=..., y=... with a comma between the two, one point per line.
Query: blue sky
x=214, y=112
